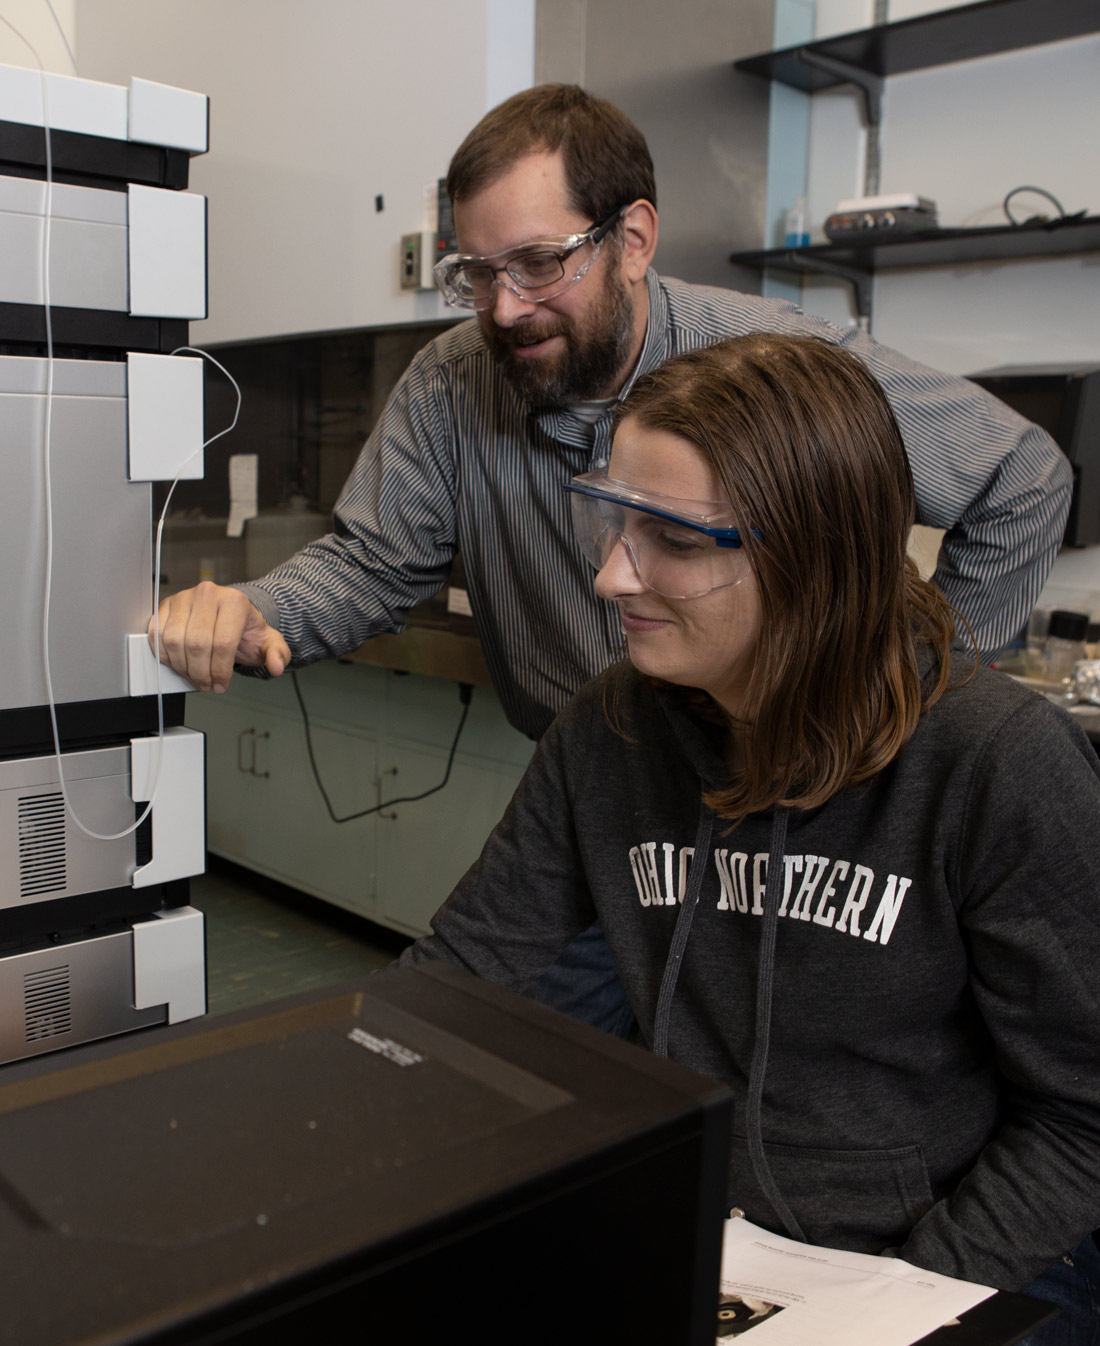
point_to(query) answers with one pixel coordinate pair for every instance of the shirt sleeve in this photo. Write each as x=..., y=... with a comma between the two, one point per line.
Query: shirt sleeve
x=526, y=897
x=996, y=483
x=393, y=537
x=1029, y=909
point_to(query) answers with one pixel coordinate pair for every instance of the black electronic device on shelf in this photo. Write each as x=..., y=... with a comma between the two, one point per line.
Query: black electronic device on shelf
x=881, y=219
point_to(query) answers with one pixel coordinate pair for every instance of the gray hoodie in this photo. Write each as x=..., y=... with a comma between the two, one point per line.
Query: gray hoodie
x=908, y=1012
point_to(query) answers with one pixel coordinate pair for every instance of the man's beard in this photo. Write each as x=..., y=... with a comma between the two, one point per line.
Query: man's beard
x=592, y=363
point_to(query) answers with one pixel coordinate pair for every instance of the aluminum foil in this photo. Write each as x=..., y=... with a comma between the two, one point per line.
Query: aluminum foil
x=1085, y=683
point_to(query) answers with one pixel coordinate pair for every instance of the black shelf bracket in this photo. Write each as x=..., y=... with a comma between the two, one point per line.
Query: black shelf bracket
x=869, y=85
x=861, y=281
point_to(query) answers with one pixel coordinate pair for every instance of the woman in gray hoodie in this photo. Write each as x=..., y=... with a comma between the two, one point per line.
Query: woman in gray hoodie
x=838, y=866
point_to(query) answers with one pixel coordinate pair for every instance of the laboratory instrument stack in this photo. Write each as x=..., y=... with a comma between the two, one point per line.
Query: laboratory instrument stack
x=102, y=265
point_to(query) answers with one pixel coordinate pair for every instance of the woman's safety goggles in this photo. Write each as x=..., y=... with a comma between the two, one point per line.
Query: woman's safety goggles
x=679, y=548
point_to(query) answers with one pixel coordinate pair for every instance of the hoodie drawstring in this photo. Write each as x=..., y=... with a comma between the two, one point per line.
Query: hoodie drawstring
x=773, y=891
x=682, y=930
x=765, y=977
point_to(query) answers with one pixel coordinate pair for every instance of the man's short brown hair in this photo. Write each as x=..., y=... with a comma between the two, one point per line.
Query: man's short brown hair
x=607, y=162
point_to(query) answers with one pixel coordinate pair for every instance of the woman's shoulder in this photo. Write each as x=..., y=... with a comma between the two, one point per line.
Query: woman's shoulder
x=619, y=696
x=989, y=707
x=622, y=711
x=603, y=729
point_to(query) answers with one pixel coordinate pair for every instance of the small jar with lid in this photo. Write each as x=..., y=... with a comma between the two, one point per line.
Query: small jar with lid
x=1065, y=642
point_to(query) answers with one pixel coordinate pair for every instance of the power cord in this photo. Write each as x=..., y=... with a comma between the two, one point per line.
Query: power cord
x=465, y=692
x=1062, y=218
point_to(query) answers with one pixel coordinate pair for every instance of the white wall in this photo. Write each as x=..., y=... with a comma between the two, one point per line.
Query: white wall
x=667, y=66
x=965, y=135
x=32, y=21
x=317, y=109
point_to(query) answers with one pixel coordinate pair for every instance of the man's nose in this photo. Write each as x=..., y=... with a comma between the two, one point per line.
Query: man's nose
x=508, y=307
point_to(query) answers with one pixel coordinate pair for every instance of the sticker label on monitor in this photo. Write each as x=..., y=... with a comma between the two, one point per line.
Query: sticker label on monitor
x=392, y=1051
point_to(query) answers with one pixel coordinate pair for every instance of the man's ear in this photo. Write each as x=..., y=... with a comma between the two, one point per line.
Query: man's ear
x=639, y=226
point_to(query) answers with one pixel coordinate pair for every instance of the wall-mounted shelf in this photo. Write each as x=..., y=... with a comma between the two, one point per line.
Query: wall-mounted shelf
x=941, y=247
x=940, y=38
x=857, y=263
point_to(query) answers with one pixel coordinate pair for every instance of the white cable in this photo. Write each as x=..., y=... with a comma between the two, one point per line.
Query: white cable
x=61, y=32
x=47, y=436
x=47, y=425
x=182, y=350
x=89, y=832
x=29, y=46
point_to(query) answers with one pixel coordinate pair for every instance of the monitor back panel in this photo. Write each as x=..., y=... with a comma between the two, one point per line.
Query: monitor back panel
x=419, y=1154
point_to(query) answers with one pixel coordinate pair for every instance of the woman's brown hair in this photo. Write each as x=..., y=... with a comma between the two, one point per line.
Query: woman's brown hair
x=806, y=447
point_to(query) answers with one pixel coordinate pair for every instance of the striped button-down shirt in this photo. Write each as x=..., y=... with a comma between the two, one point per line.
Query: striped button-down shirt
x=458, y=460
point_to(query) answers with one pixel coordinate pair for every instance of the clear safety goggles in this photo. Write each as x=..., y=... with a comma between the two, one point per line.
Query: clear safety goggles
x=537, y=271
x=679, y=548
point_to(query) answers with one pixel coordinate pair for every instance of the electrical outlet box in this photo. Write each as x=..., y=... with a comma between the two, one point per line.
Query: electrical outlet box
x=417, y=256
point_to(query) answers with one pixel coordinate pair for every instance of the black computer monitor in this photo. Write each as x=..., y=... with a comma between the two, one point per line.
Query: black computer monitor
x=418, y=1156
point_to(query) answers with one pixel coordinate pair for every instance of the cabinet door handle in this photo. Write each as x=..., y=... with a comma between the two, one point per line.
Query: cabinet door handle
x=261, y=738
x=250, y=735
x=383, y=772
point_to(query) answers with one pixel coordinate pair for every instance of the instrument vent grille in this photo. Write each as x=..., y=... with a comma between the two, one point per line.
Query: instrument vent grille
x=42, y=856
x=47, y=1003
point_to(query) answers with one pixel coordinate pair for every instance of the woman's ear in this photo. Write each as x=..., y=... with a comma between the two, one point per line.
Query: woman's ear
x=639, y=225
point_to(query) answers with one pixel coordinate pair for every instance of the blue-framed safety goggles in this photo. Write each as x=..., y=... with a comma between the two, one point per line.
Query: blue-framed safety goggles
x=679, y=548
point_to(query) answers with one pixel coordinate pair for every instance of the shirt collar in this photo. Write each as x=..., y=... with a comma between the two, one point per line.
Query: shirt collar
x=655, y=349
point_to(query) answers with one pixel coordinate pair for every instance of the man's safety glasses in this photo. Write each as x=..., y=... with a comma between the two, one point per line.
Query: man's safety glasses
x=679, y=548
x=535, y=272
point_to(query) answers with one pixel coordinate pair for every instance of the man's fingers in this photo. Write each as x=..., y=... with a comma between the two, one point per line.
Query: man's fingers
x=276, y=653
x=203, y=634
x=226, y=645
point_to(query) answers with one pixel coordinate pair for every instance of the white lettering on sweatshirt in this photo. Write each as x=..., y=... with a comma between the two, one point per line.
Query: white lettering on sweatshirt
x=647, y=876
x=815, y=887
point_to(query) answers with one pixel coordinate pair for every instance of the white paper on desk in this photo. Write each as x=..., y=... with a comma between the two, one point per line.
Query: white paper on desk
x=243, y=471
x=830, y=1296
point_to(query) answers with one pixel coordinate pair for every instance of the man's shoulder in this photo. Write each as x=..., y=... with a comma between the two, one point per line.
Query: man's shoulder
x=459, y=348
x=703, y=313
x=454, y=369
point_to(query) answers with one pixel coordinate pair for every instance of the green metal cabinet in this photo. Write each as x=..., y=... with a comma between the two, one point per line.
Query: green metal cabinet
x=377, y=736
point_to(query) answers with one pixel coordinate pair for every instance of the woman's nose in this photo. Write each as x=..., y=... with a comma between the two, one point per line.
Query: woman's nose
x=619, y=576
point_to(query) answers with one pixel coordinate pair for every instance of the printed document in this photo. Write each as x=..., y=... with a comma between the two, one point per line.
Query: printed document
x=795, y=1294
